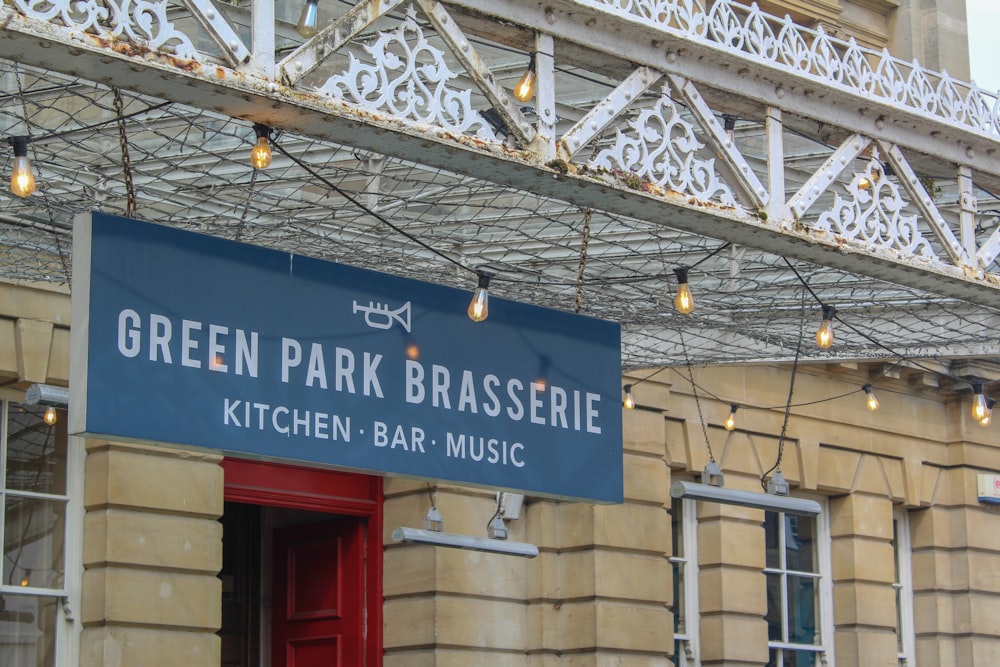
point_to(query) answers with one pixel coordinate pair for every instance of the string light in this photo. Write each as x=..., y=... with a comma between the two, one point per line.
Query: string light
x=730, y=422
x=22, y=180
x=525, y=88
x=629, y=401
x=824, y=335
x=479, y=306
x=988, y=417
x=980, y=408
x=308, y=19
x=684, y=302
x=51, y=416
x=866, y=183
x=260, y=156
x=729, y=125
x=870, y=398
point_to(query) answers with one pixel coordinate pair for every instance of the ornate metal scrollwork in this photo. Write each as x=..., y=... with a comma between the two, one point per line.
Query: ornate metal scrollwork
x=142, y=22
x=408, y=79
x=873, y=213
x=661, y=146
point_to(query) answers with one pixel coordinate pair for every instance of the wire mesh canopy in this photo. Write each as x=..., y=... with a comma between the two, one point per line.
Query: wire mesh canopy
x=189, y=168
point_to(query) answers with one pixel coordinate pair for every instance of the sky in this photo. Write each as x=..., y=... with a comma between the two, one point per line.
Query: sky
x=984, y=47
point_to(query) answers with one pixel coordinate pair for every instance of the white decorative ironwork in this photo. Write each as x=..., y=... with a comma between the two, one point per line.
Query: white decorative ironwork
x=873, y=214
x=661, y=147
x=408, y=79
x=143, y=22
x=781, y=42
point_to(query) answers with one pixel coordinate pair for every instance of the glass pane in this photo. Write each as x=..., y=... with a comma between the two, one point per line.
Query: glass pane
x=774, y=658
x=36, y=452
x=801, y=659
x=28, y=630
x=675, y=528
x=774, y=607
x=678, y=608
x=800, y=544
x=803, y=610
x=772, y=540
x=33, y=542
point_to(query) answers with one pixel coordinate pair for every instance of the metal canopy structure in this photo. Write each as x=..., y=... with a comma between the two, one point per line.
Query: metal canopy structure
x=786, y=168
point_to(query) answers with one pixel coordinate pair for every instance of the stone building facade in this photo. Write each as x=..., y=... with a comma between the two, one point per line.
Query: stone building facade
x=900, y=565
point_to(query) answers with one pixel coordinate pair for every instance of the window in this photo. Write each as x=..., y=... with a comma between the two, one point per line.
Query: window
x=799, y=611
x=35, y=491
x=684, y=529
x=903, y=586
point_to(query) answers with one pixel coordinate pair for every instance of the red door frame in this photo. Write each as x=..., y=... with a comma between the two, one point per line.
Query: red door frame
x=299, y=487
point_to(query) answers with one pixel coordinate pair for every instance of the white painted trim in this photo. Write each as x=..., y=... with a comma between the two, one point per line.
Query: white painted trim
x=903, y=553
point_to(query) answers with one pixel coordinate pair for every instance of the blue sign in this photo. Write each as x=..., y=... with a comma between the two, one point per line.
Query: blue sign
x=198, y=341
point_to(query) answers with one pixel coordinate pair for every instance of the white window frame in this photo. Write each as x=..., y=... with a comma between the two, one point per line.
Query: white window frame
x=68, y=628
x=824, y=584
x=689, y=640
x=902, y=548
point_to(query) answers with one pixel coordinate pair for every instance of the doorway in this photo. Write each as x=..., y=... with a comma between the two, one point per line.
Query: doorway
x=301, y=570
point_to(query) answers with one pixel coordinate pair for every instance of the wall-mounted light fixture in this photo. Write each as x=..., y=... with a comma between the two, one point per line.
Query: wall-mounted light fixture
x=762, y=501
x=433, y=533
x=47, y=394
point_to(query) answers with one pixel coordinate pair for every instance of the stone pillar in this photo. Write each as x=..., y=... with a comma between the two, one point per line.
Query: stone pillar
x=733, y=599
x=935, y=32
x=956, y=557
x=447, y=607
x=152, y=547
x=863, y=569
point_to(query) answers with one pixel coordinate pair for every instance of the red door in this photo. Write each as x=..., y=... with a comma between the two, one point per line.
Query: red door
x=318, y=594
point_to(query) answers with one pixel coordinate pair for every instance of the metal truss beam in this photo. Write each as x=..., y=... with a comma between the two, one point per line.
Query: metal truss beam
x=242, y=94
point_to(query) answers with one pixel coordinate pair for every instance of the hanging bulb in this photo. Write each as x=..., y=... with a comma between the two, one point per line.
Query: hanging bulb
x=729, y=125
x=22, y=181
x=525, y=88
x=684, y=302
x=309, y=19
x=50, y=416
x=824, y=335
x=479, y=306
x=629, y=402
x=730, y=422
x=26, y=579
x=988, y=417
x=870, y=398
x=260, y=156
x=980, y=408
x=866, y=183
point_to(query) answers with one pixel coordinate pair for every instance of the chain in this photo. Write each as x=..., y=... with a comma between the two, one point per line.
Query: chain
x=130, y=203
x=583, y=259
x=697, y=399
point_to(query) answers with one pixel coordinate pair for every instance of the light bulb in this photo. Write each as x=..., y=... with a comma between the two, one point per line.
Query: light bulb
x=824, y=335
x=988, y=417
x=980, y=408
x=730, y=422
x=729, y=125
x=26, y=579
x=309, y=19
x=50, y=416
x=629, y=402
x=260, y=156
x=870, y=398
x=22, y=181
x=479, y=308
x=525, y=88
x=683, y=302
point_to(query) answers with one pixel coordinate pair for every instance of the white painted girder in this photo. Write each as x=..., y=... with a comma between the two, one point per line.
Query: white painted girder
x=250, y=96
